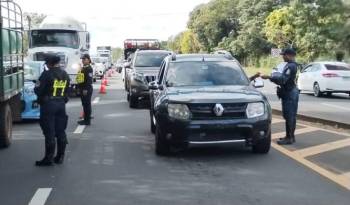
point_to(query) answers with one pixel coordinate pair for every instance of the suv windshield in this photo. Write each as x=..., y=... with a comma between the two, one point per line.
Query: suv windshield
x=54, y=38
x=149, y=59
x=205, y=74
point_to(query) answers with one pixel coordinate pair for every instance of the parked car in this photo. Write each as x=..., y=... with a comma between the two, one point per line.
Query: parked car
x=207, y=99
x=143, y=69
x=325, y=78
x=30, y=105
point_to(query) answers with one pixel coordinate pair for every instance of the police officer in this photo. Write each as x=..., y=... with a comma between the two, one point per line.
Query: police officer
x=85, y=80
x=288, y=92
x=51, y=90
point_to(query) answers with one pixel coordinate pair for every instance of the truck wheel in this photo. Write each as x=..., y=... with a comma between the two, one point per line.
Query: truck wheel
x=262, y=146
x=162, y=146
x=5, y=125
x=153, y=122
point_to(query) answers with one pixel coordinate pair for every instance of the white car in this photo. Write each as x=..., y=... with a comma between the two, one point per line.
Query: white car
x=325, y=78
x=100, y=69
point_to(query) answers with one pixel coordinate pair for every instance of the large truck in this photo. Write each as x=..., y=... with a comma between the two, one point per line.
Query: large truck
x=63, y=36
x=105, y=54
x=11, y=68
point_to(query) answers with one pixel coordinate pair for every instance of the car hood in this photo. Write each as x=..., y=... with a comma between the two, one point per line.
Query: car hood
x=153, y=71
x=217, y=94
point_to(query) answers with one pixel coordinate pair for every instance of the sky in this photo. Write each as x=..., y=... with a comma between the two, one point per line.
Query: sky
x=110, y=22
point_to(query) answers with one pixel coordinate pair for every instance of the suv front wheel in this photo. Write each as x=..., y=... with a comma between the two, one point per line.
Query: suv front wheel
x=262, y=146
x=133, y=100
x=162, y=146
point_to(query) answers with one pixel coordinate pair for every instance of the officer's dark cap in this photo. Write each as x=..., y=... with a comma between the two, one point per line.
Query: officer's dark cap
x=52, y=59
x=86, y=56
x=288, y=51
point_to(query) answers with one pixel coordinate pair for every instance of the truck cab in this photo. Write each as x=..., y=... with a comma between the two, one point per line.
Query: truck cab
x=63, y=36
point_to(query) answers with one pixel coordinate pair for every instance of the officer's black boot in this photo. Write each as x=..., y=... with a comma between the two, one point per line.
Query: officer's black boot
x=48, y=159
x=61, y=148
x=288, y=140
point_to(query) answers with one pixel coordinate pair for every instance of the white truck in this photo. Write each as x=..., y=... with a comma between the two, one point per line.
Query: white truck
x=105, y=54
x=63, y=36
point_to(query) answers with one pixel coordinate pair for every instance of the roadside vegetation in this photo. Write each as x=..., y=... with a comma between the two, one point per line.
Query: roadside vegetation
x=249, y=29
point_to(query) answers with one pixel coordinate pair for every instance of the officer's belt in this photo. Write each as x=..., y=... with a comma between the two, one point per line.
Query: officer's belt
x=56, y=98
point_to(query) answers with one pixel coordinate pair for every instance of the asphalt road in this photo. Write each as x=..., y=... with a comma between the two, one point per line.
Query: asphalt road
x=335, y=108
x=113, y=162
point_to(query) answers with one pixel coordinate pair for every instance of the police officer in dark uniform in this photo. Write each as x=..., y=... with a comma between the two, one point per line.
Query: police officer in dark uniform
x=51, y=90
x=85, y=80
x=288, y=92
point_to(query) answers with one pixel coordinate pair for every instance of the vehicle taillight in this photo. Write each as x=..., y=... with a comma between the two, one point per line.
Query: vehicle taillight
x=330, y=75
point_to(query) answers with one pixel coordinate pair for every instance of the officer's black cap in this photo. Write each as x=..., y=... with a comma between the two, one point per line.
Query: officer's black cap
x=288, y=51
x=86, y=56
x=52, y=59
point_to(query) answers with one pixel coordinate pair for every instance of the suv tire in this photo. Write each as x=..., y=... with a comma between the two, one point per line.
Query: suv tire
x=6, y=125
x=262, y=146
x=153, y=125
x=162, y=147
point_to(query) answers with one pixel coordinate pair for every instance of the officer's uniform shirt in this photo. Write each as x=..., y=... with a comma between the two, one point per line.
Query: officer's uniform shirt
x=85, y=77
x=287, y=78
x=52, y=84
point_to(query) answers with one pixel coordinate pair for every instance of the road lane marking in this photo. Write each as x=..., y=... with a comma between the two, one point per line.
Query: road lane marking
x=277, y=120
x=336, y=106
x=323, y=148
x=40, y=196
x=297, y=132
x=96, y=100
x=80, y=129
x=339, y=179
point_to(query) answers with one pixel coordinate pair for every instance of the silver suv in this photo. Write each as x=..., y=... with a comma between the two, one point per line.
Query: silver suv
x=144, y=69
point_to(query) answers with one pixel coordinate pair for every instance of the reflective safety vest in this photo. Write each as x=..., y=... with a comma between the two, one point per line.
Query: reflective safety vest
x=59, y=85
x=80, y=77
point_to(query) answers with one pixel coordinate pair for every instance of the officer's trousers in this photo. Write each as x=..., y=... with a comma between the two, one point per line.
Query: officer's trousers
x=86, y=102
x=290, y=100
x=53, y=121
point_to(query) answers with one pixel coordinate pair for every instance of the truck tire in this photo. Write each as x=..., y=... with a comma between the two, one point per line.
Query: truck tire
x=262, y=146
x=5, y=125
x=162, y=148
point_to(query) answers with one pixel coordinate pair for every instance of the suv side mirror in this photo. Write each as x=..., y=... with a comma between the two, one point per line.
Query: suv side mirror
x=258, y=83
x=153, y=85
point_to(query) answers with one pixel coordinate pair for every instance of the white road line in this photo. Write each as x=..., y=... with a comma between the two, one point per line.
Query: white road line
x=80, y=129
x=96, y=100
x=40, y=196
x=336, y=106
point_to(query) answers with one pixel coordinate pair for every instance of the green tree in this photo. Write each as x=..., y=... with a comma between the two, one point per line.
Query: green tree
x=116, y=53
x=189, y=43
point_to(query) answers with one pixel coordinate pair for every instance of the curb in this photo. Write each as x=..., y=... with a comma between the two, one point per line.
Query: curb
x=310, y=119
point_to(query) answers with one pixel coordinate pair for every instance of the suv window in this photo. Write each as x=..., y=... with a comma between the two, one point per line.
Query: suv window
x=149, y=59
x=205, y=74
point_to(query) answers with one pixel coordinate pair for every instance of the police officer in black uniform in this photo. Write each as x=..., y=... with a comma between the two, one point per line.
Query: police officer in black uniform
x=288, y=92
x=51, y=90
x=85, y=80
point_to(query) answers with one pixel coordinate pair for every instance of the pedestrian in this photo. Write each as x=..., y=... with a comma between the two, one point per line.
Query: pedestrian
x=84, y=81
x=288, y=93
x=51, y=90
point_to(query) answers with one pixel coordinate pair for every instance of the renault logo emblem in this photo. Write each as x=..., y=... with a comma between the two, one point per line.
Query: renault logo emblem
x=218, y=110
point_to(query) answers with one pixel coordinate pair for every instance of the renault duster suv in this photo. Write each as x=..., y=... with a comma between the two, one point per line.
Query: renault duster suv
x=207, y=99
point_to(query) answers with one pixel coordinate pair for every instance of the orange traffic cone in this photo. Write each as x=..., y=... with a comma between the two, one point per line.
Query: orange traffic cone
x=103, y=88
x=104, y=81
x=109, y=73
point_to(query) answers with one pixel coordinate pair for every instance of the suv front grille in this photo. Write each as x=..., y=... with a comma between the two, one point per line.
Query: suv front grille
x=204, y=111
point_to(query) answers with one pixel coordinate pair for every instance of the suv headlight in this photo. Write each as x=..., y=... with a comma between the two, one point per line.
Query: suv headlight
x=139, y=77
x=255, y=109
x=179, y=111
